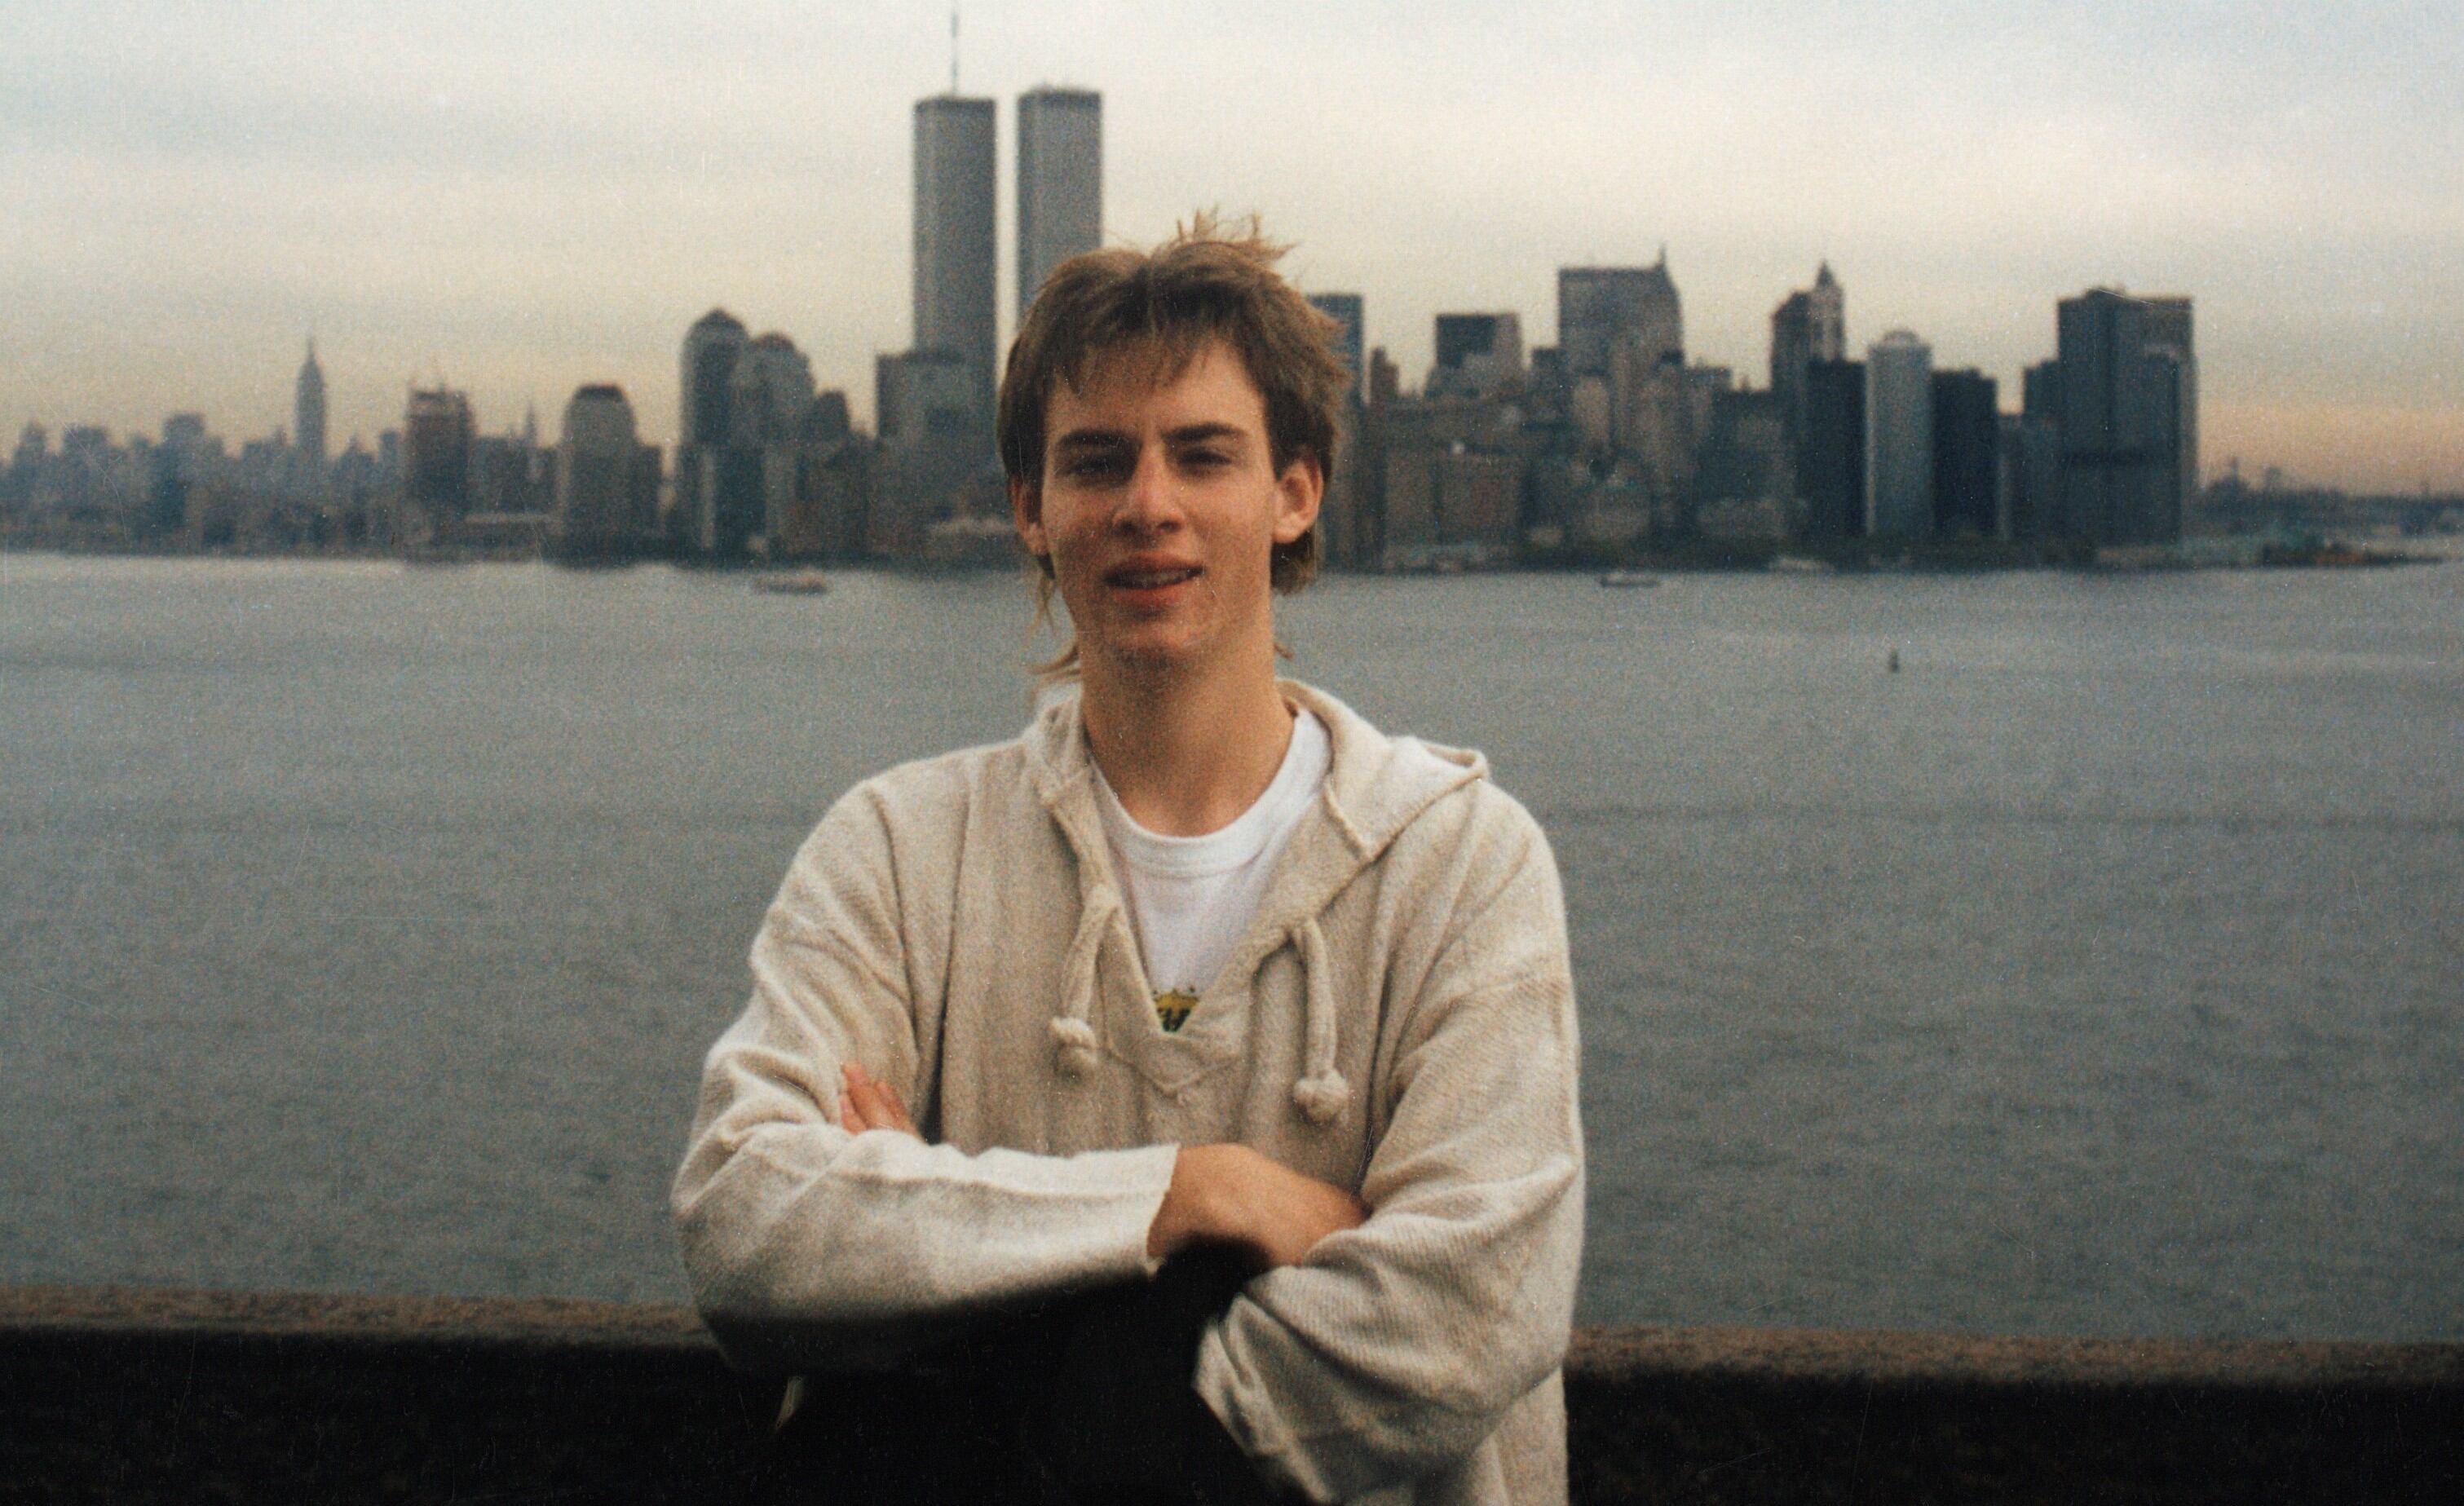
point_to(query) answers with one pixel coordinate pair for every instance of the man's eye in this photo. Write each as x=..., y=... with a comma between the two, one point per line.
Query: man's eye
x=1092, y=468
x=1204, y=459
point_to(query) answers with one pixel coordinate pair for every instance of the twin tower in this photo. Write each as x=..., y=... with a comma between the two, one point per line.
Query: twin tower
x=1060, y=213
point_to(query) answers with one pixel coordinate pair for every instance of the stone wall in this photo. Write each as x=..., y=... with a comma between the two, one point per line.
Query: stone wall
x=189, y=1396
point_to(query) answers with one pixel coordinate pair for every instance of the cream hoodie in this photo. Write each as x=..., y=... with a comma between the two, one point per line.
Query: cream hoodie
x=1399, y=1022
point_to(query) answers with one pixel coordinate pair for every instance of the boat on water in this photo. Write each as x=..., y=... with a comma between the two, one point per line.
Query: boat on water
x=1629, y=578
x=793, y=582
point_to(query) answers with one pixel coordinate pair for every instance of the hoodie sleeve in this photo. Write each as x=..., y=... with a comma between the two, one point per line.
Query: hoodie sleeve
x=1395, y=1348
x=810, y=1248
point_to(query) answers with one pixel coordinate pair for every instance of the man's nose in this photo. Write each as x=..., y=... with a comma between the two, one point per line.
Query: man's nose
x=1152, y=498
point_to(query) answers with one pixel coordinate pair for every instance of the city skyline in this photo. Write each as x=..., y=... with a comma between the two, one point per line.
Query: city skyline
x=467, y=199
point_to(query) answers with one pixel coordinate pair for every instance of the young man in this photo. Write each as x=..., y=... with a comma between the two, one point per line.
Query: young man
x=1202, y=962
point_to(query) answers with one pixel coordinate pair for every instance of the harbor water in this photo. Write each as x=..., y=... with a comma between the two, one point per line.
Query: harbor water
x=2099, y=969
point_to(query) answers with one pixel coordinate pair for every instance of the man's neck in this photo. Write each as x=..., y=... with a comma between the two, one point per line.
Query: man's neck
x=1186, y=752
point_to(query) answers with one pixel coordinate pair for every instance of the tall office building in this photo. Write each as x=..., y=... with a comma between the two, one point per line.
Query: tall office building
x=1599, y=308
x=2169, y=335
x=308, y=415
x=1831, y=449
x=705, y=422
x=1476, y=355
x=438, y=431
x=607, y=480
x=2119, y=420
x=1810, y=325
x=2040, y=391
x=1350, y=332
x=1966, y=454
x=1060, y=182
x=711, y=350
x=1898, y=437
x=955, y=257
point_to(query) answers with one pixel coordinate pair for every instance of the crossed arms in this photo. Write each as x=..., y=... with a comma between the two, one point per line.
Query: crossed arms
x=1221, y=1194
x=1387, y=1334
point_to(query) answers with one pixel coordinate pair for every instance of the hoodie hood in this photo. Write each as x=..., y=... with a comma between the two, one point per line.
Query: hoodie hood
x=1376, y=788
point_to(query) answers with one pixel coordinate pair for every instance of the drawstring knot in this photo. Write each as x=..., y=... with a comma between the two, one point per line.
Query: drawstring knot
x=1071, y=1034
x=1321, y=1093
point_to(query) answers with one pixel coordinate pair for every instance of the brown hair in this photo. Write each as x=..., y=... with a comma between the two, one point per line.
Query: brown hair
x=1209, y=282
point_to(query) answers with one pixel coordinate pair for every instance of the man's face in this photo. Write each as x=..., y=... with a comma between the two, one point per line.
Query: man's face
x=1160, y=507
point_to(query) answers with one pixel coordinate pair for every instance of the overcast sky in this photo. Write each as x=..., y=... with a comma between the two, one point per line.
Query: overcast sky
x=525, y=197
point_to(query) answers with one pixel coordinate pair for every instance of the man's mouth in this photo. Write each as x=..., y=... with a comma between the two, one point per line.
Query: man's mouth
x=1152, y=580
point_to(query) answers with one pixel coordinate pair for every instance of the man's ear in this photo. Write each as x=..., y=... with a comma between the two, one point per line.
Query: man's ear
x=1026, y=510
x=1298, y=492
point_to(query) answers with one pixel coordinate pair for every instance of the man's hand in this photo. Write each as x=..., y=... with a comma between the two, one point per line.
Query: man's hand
x=868, y=1103
x=1233, y=1195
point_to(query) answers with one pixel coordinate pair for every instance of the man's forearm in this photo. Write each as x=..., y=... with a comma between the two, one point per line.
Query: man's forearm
x=1221, y=1194
x=802, y=1239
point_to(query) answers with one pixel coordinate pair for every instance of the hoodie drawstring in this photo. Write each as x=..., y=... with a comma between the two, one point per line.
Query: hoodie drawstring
x=1321, y=1092
x=1070, y=1030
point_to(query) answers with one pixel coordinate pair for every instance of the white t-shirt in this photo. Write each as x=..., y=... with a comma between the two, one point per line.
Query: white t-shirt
x=1191, y=899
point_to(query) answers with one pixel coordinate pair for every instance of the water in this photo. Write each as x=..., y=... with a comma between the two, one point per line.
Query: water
x=2102, y=971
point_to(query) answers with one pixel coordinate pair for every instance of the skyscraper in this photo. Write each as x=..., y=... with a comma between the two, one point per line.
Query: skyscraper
x=705, y=422
x=1060, y=182
x=308, y=415
x=1898, y=437
x=2120, y=422
x=1810, y=325
x=607, y=480
x=1350, y=330
x=1831, y=449
x=709, y=364
x=2169, y=335
x=1967, y=442
x=438, y=431
x=955, y=262
x=1601, y=307
x=1476, y=355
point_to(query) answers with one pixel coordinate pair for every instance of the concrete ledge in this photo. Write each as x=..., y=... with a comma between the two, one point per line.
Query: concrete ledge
x=162, y=1396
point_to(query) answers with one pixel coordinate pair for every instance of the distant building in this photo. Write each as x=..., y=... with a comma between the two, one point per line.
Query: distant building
x=510, y=474
x=308, y=417
x=741, y=488
x=2168, y=336
x=1831, y=449
x=707, y=368
x=2028, y=477
x=1809, y=325
x=2040, y=391
x=1347, y=525
x=1898, y=437
x=705, y=422
x=606, y=479
x=1599, y=308
x=1350, y=332
x=770, y=394
x=1744, y=480
x=933, y=447
x=2119, y=421
x=1060, y=182
x=1966, y=445
x=1442, y=479
x=773, y=397
x=1478, y=355
x=955, y=260
x=436, y=437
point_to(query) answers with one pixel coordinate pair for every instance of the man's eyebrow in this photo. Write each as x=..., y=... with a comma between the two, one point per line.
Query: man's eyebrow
x=1200, y=433
x=1091, y=439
